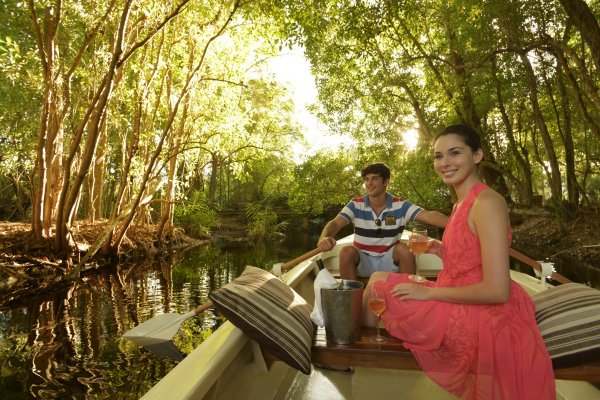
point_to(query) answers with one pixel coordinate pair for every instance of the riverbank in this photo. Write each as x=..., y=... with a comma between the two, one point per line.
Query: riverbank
x=574, y=248
x=577, y=240
x=26, y=266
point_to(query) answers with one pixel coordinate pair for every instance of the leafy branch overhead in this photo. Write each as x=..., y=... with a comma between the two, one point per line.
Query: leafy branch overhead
x=108, y=103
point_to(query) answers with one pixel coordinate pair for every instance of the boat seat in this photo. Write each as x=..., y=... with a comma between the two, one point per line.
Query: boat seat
x=392, y=355
x=362, y=353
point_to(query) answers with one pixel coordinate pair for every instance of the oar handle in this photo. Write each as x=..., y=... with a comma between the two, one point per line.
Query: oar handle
x=201, y=308
x=298, y=260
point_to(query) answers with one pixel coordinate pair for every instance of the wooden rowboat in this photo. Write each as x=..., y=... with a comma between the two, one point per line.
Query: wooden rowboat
x=228, y=365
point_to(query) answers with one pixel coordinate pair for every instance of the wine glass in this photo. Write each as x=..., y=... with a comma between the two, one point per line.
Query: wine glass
x=418, y=244
x=377, y=305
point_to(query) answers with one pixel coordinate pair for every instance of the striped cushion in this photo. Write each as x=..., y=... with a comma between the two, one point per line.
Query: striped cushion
x=569, y=319
x=271, y=313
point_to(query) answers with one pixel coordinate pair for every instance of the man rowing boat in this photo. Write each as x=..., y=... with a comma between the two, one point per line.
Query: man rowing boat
x=379, y=219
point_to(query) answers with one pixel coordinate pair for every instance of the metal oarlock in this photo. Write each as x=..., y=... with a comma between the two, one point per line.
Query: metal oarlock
x=547, y=270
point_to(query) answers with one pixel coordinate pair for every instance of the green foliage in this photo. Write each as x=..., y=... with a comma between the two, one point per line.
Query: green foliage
x=593, y=189
x=15, y=360
x=236, y=114
x=266, y=180
x=328, y=180
x=263, y=223
x=191, y=335
x=19, y=93
x=195, y=215
x=384, y=67
x=381, y=68
x=324, y=180
x=414, y=179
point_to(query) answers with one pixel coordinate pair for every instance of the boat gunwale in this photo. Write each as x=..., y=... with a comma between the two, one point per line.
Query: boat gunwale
x=212, y=357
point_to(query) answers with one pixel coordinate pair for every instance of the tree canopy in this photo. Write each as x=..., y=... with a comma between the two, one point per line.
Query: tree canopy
x=125, y=110
x=522, y=73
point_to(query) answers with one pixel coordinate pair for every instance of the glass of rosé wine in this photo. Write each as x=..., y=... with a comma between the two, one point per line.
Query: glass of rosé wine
x=418, y=243
x=377, y=306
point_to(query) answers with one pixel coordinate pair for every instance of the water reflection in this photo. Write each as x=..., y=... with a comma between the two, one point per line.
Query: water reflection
x=68, y=345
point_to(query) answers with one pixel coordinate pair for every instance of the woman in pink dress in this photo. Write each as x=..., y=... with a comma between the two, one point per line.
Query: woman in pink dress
x=473, y=331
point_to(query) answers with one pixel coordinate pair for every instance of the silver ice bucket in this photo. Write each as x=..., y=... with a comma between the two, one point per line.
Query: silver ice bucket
x=342, y=308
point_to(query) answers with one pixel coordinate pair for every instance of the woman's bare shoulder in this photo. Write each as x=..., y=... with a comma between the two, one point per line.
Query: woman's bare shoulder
x=490, y=200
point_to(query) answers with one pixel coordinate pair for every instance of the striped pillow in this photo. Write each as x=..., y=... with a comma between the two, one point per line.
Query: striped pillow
x=569, y=319
x=271, y=313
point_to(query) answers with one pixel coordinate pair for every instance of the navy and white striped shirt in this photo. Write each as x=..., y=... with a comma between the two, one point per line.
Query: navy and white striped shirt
x=377, y=239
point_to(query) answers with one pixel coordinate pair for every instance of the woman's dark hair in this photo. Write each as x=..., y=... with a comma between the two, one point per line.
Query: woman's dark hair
x=376, y=168
x=468, y=134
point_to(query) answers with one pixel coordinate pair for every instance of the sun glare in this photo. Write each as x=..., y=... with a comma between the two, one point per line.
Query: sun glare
x=292, y=69
x=410, y=139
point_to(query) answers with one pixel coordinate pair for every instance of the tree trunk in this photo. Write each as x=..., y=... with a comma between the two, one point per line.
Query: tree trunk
x=584, y=19
x=129, y=148
x=214, y=171
x=96, y=201
x=53, y=192
x=525, y=185
x=554, y=178
x=471, y=118
x=564, y=129
x=165, y=226
x=97, y=109
x=588, y=82
x=577, y=92
x=46, y=178
x=424, y=128
x=567, y=137
x=95, y=179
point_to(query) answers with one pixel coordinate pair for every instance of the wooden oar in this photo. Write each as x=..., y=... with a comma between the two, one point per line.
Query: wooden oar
x=156, y=333
x=298, y=260
x=536, y=265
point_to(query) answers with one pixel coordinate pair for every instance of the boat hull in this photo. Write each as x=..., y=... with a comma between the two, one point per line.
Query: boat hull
x=228, y=365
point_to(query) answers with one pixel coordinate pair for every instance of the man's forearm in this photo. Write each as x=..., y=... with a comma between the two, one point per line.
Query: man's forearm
x=441, y=219
x=329, y=230
x=434, y=218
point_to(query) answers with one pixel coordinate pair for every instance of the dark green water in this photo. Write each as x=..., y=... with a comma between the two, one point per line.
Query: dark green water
x=69, y=345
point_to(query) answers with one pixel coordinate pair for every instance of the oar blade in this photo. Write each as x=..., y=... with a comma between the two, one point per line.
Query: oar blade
x=158, y=329
x=165, y=349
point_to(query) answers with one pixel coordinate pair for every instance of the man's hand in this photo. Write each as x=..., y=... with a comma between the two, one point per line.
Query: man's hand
x=326, y=243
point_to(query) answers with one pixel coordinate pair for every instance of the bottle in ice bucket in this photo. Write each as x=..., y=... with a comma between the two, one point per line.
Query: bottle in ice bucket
x=342, y=308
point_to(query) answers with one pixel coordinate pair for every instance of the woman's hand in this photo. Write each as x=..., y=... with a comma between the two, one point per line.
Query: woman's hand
x=434, y=247
x=411, y=291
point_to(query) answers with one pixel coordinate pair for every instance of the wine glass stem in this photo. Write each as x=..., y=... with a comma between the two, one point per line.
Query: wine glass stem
x=377, y=326
x=417, y=264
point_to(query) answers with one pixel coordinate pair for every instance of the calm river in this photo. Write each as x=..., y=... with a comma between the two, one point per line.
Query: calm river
x=69, y=345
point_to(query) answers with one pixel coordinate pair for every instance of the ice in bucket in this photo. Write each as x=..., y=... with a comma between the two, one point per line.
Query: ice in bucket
x=342, y=309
